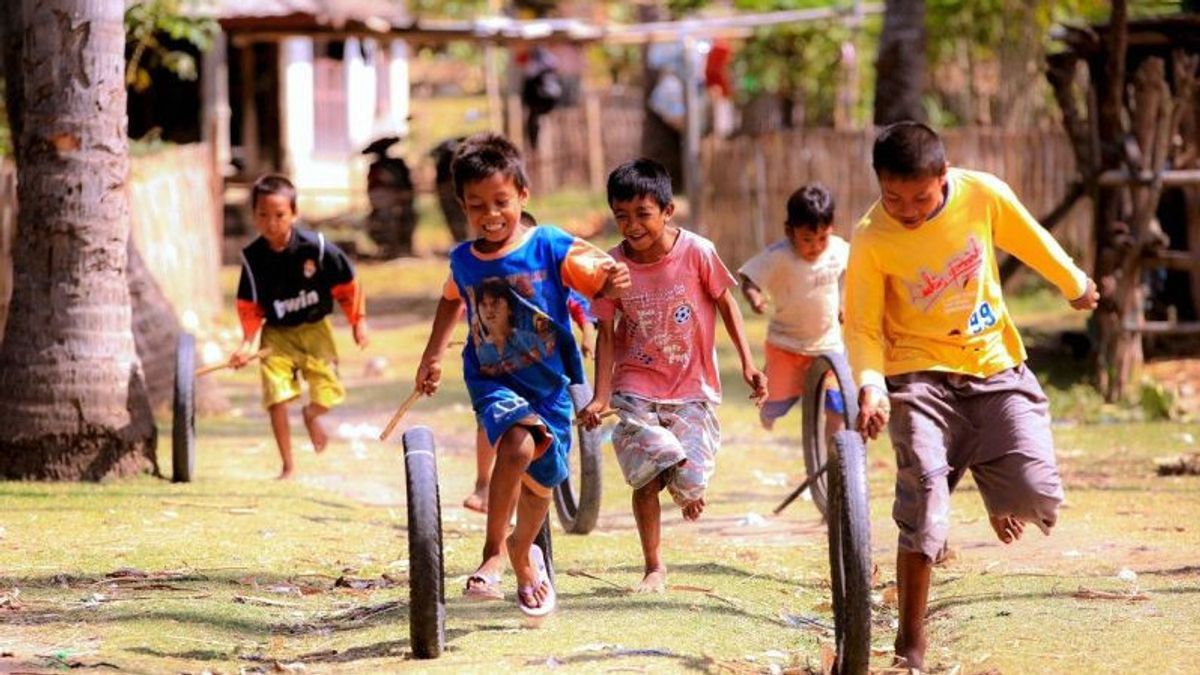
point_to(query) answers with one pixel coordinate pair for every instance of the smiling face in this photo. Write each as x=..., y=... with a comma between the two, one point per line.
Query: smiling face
x=493, y=207
x=911, y=201
x=273, y=218
x=809, y=243
x=644, y=225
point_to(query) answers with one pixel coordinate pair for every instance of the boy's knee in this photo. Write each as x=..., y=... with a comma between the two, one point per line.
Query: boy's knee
x=516, y=447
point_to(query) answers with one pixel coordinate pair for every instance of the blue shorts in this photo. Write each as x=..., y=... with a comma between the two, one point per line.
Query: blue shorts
x=834, y=403
x=549, y=420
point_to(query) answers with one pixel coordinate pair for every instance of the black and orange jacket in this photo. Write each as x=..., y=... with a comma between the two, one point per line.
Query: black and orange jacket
x=297, y=285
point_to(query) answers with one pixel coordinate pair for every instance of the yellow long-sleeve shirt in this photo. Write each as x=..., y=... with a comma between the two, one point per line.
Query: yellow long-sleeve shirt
x=930, y=298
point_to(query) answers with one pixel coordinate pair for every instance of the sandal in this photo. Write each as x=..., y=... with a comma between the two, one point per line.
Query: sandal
x=526, y=593
x=482, y=587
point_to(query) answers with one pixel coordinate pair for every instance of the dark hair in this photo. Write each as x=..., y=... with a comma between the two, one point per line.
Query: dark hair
x=496, y=288
x=639, y=177
x=273, y=184
x=908, y=150
x=811, y=207
x=483, y=155
x=528, y=220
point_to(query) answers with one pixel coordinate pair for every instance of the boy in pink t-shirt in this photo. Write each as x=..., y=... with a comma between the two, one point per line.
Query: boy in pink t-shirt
x=665, y=384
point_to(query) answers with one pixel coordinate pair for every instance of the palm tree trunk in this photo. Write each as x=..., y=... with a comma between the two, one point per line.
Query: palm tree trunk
x=72, y=399
x=900, y=66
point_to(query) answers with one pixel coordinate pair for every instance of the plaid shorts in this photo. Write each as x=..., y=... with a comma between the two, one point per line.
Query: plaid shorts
x=680, y=439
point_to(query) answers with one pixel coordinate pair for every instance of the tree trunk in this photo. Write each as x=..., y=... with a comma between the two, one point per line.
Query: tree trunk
x=72, y=399
x=900, y=66
x=11, y=39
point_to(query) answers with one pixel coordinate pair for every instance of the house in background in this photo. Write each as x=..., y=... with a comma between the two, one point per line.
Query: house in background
x=296, y=86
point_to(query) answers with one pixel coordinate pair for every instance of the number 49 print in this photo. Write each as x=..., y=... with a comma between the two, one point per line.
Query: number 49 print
x=982, y=318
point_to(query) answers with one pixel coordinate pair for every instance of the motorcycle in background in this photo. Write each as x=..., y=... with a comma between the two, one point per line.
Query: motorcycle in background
x=393, y=216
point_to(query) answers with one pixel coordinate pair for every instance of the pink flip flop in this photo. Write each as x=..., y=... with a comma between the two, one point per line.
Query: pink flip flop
x=481, y=587
x=550, y=602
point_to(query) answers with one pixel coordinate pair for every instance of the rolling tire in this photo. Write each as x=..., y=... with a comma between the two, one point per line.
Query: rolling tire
x=544, y=542
x=578, y=509
x=183, y=423
x=427, y=585
x=850, y=552
x=816, y=444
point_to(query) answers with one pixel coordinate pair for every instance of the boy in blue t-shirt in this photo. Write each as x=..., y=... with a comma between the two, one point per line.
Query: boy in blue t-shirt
x=520, y=355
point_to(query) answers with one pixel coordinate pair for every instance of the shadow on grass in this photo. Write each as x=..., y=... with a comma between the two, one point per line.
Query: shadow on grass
x=938, y=606
x=191, y=655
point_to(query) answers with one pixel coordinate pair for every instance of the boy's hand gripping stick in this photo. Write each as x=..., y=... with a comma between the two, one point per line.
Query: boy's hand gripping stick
x=265, y=351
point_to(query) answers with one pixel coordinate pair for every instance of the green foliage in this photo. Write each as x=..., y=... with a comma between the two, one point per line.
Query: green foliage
x=448, y=9
x=6, y=141
x=799, y=62
x=147, y=23
x=1158, y=402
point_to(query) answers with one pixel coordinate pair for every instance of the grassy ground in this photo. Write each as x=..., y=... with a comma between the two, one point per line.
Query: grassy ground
x=238, y=572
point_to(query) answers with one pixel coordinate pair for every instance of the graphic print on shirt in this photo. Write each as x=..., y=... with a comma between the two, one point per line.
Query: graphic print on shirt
x=508, y=331
x=660, y=326
x=957, y=274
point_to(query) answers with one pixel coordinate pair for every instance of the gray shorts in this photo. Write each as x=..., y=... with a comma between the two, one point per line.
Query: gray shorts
x=998, y=427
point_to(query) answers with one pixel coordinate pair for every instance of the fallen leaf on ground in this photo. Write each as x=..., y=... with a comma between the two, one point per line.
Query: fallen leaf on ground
x=891, y=596
x=363, y=584
x=828, y=659
x=126, y=573
x=685, y=587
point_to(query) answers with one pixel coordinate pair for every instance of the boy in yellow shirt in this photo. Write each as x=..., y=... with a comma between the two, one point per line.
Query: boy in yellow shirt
x=928, y=332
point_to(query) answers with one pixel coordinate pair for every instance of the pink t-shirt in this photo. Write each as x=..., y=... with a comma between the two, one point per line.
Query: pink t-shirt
x=664, y=349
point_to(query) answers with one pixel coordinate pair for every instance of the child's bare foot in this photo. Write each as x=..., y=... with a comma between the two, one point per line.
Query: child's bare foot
x=316, y=432
x=286, y=474
x=477, y=500
x=655, y=581
x=1008, y=529
x=910, y=658
x=693, y=509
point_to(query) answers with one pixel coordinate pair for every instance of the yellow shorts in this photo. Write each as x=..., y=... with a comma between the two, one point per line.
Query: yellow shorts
x=306, y=349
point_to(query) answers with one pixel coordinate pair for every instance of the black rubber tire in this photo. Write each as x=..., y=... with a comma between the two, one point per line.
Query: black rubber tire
x=578, y=514
x=850, y=552
x=816, y=450
x=183, y=422
x=544, y=542
x=427, y=576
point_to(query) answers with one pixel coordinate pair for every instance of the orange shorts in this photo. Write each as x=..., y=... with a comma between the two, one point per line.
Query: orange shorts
x=786, y=372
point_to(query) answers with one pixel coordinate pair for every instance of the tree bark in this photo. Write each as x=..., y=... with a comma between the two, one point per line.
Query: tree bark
x=900, y=66
x=11, y=39
x=73, y=403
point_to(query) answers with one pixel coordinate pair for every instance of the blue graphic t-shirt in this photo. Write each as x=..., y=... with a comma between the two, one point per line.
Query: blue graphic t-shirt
x=520, y=336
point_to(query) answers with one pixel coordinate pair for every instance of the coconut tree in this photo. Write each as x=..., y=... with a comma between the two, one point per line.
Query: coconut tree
x=72, y=401
x=900, y=65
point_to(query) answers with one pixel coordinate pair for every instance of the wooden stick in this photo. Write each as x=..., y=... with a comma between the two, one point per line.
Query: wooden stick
x=391, y=425
x=803, y=486
x=607, y=413
x=205, y=370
